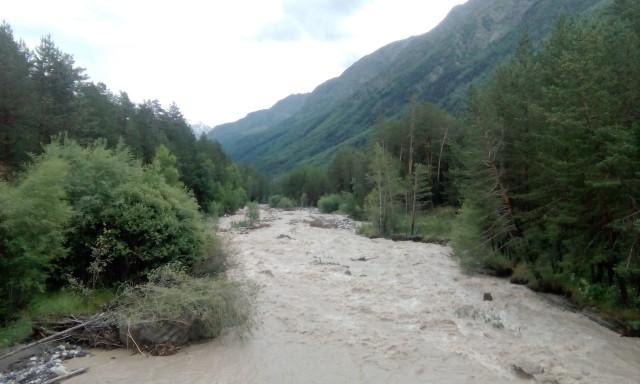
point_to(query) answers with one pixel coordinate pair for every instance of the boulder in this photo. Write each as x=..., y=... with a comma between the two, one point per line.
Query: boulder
x=155, y=332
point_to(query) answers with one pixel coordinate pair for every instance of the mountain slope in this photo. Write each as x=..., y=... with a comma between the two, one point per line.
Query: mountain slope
x=258, y=121
x=437, y=67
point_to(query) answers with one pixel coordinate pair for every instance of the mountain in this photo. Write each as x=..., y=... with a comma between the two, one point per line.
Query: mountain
x=437, y=67
x=199, y=128
x=256, y=122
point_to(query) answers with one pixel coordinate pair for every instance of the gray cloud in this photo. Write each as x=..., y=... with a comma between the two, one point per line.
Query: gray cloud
x=319, y=19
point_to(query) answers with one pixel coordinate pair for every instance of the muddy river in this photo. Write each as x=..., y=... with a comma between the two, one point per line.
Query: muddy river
x=335, y=307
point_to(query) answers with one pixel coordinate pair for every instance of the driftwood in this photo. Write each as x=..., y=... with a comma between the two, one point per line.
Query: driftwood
x=51, y=337
x=67, y=376
x=100, y=331
x=364, y=258
x=161, y=349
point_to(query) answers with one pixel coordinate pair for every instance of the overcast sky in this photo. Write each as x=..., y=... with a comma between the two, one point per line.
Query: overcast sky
x=219, y=60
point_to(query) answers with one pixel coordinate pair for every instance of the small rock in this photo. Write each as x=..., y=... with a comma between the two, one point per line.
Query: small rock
x=487, y=297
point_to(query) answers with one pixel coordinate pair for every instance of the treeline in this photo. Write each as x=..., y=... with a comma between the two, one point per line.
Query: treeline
x=44, y=95
x=551, y=154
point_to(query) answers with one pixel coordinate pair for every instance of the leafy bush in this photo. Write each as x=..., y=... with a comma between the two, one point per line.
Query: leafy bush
x=145, y=226
x=127, y=219
x=252, y=214
x=33, y=218
x=286, y=204
x=274, y=200
x=214, y=258
x=94, y=214
x=234, y=200
x=349, y=206
x=367, y=229
x=329, y=203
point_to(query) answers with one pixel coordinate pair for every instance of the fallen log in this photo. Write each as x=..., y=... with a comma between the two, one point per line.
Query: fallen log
x=67, y=376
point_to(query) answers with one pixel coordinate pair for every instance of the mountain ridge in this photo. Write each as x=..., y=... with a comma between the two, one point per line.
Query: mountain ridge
x=436, y=67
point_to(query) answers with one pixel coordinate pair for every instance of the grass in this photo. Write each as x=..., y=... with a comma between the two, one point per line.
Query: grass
x=15, y=332
x=240, y=224
x=62, y=302
x=51, y=305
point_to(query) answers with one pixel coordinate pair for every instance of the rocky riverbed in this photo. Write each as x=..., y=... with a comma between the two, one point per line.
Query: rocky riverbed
x=45, y=365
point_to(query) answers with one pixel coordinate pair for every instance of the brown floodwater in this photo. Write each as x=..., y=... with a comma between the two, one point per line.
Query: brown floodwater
x=405, y=315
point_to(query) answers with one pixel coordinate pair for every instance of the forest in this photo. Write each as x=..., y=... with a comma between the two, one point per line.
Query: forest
x=536, y=180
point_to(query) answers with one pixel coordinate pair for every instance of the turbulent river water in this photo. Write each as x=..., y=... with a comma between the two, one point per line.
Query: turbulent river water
x=335, y=307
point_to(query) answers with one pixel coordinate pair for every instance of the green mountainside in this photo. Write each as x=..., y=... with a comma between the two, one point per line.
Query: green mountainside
x=258, y=121
x=437, y=67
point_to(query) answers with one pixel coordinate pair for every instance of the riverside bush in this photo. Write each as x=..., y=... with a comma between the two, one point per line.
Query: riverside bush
x=329, y=203
x=252, y=213
x=94, y=214
x=171, y=294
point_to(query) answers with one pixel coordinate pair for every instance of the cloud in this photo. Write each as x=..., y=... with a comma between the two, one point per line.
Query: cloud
x=316, y=19
x=285, y=30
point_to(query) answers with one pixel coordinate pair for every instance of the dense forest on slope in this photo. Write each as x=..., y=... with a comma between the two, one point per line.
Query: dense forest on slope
x=436, y=67
x=550, y=151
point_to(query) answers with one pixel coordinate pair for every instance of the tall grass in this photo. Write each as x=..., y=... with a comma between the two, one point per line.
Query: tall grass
x=51, y=305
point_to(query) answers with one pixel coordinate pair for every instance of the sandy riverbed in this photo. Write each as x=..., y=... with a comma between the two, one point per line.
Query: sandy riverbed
x=405, y=315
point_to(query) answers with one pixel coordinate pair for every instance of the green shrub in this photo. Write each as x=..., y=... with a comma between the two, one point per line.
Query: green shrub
x=234, y=200
x=171, y=294
x=33, y=218
x=108, y=220
x=252, y=213
x=239, y=224
x=214, y=258
x=367, y=229
x=274, y=200
x=349, y=206
x=127, y=219
x=329, y=203
x=286, y=204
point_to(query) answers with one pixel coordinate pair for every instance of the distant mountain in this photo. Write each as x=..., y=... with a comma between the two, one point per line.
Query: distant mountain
x=198, y=128
x=256, y=122
x=437, y=66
